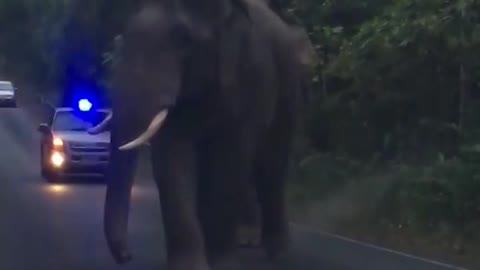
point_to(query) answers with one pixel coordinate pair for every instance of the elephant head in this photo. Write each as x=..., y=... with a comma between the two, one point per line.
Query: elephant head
x=158, y=44
x=160, y=41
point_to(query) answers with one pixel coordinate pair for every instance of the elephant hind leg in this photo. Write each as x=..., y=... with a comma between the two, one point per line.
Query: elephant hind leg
x=203, y=195
x=270, y=175
x=249, y=227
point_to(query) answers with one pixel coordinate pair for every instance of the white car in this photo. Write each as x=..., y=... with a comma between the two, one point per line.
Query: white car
x=68, y=150
x=7, y=94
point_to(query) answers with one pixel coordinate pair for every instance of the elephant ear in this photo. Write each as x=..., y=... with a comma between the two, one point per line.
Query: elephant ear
x=241, y=5
x=307, y=59
x=304, y=50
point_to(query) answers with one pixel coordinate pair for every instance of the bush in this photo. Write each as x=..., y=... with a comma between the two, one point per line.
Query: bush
x=436, y=198
x=321, y=175
x=443, y=196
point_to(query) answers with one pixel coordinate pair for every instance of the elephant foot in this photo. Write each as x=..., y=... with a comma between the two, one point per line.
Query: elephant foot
x=230, y=262
x=283, y=261
x=120, y=253
x=248, y=237
x=187, y=263
x=276, y=247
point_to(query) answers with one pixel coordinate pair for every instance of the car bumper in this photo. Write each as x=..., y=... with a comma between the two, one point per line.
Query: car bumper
x=81, y=170
x=8, y=102
x=76, y=163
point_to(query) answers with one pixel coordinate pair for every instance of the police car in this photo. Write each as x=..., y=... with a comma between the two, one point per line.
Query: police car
x=67, y=149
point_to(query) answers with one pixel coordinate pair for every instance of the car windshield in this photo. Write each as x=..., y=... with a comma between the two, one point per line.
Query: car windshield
x=72, y=121
x=6, y=87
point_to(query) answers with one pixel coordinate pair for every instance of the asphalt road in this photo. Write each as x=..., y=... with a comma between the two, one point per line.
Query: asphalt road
x=59, y=226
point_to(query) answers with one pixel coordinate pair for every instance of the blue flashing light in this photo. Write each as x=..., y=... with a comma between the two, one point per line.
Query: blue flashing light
x=84, y=105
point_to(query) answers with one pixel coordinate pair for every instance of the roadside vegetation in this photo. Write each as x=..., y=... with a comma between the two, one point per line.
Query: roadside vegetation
x=390, y=147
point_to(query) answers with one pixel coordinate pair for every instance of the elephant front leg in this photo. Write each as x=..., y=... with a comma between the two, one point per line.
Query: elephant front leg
x=174, y=170
x=248, y=231
x=270, y=175
x=248, y=227
x=230, y=163
x=117, y=204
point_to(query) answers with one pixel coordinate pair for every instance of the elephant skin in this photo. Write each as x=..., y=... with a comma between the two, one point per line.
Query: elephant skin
x=215, y=88
x=248, y=232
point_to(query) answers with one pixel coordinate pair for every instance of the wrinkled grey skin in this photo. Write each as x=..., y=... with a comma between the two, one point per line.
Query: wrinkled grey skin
x=250, y=220
x=228, y=74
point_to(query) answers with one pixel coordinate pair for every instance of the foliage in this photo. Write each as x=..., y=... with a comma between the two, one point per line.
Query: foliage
x=39, y=39
x=25, y=33
x=397, y=81
x=439, y=197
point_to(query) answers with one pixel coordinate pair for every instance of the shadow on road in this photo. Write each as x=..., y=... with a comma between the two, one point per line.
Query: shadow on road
x=78, y=180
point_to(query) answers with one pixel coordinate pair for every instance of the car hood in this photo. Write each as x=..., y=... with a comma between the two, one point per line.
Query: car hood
x=82, y=136
x=6, y=93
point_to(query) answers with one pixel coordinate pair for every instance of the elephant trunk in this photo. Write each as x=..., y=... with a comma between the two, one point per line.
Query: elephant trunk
x=117, y=203
x=102, y=126
x=115, y=225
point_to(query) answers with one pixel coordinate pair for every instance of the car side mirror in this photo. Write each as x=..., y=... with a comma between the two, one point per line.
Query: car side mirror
x=43, y=128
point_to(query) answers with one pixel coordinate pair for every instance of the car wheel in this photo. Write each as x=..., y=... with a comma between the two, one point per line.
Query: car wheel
x=46, y=173
x=50, y=176
x=43, y=169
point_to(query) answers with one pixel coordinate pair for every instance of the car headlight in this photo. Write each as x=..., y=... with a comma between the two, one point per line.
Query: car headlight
x=57, y=159
x=57, y=142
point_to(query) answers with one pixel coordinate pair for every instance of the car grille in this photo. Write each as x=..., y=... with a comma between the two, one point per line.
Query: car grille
x=89, y=147
x=80, y=157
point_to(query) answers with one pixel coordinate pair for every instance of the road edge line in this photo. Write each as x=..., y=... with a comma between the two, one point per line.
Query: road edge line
x=309, y=229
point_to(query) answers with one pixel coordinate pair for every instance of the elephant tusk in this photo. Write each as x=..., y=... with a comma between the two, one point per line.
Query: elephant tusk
x=149, y=133
x=100, y=127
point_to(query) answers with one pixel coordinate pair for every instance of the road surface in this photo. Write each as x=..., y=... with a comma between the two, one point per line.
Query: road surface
x=59, y=227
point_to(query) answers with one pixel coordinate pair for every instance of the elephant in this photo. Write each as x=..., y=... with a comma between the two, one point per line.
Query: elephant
x=215, y=88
